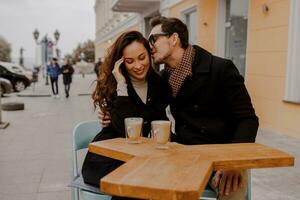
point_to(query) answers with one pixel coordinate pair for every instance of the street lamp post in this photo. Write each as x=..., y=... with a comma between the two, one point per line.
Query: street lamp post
x=21, y=60
x=47, y=49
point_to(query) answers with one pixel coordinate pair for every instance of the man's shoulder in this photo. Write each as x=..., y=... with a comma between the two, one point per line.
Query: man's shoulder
x=205, y=59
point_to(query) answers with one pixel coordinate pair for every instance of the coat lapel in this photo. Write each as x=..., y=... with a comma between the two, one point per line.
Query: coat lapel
x=201, y=69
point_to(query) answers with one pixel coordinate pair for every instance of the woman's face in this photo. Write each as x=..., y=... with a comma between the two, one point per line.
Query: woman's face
x=136, y=60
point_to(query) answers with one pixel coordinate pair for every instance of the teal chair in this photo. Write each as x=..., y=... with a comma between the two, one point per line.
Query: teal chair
x=83, y=134
x=209, y=193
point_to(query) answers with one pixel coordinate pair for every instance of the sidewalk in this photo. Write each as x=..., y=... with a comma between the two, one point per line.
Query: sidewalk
x=36, y=158
x=35, y=150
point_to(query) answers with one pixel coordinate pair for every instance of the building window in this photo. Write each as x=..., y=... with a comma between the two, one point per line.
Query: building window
x=292, y=86
x=232, y=28
x=190, y=19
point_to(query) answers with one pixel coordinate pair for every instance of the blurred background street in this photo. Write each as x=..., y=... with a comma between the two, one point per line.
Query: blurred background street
x=35, y=150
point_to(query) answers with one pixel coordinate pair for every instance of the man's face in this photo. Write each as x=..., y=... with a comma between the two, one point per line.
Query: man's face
x=160, y=45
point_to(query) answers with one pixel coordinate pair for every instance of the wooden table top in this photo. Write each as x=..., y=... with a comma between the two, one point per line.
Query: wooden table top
x=180, y=172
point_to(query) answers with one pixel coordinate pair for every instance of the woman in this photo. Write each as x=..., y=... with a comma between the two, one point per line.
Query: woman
x=67, y=71
x=127, y=87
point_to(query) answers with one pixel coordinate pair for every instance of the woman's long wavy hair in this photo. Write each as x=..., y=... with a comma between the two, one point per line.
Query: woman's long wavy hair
x=106, y=83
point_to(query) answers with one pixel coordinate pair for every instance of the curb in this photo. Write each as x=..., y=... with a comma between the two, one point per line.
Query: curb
x=11, y=106
x=34, y=95
x=3, y=125
x=84, y=94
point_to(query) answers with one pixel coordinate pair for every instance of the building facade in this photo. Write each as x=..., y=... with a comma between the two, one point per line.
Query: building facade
x=262, y=37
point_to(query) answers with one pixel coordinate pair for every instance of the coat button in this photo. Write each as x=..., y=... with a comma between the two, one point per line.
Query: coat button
x=196, y=107
x=202, y=129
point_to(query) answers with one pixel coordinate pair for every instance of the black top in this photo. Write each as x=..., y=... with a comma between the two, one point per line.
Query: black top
x=67, y=75
x=158, y=97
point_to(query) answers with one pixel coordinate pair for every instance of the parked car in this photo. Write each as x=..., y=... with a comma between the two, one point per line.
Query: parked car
x=5, y=86
x=18, y=80
x=18, y=69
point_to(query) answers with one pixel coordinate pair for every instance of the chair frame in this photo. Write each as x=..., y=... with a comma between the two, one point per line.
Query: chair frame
x=83, y=134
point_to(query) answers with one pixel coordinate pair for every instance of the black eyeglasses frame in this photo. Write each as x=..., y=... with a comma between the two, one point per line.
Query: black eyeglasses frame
x=154, y=37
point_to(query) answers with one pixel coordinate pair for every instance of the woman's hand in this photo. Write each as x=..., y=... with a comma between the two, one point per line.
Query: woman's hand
x=117, y=71
x=104, y=119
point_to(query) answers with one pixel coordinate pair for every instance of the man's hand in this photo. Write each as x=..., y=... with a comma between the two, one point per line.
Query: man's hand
x=104, y=119
x=228, y=181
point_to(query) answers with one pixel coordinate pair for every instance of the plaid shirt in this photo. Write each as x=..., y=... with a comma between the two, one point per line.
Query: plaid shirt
x=182, y=71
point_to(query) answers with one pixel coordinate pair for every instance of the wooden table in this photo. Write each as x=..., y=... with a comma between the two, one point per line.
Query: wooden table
x=180, y=172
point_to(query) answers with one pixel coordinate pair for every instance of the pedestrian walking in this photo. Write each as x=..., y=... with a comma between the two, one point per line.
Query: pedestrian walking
x=53, y=70
x=67, y=71
x=97, y=67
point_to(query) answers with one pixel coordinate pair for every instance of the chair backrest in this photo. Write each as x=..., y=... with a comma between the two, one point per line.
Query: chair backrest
x=83, y=134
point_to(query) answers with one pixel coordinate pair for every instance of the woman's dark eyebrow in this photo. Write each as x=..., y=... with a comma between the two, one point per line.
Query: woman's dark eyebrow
x=127, y=58
x=138, y=55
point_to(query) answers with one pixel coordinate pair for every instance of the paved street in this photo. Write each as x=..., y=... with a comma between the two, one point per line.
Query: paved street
x=35, y=150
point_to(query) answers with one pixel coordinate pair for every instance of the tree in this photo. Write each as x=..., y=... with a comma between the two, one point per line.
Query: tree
x=89, y=51
x=84, y=50
x=5, y=50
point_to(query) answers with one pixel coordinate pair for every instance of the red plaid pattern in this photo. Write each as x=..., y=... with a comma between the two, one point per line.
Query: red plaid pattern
x=182, y=71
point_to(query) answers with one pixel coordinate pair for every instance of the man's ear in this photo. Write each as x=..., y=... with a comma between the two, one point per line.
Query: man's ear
x=175, y=39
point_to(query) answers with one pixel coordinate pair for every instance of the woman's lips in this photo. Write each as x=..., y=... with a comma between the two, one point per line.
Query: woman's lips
x=139, y=72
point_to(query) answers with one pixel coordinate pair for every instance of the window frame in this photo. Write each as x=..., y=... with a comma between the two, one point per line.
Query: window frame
x=292, y=82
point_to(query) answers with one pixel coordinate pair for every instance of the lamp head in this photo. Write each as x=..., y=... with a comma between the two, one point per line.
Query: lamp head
x=36, y=34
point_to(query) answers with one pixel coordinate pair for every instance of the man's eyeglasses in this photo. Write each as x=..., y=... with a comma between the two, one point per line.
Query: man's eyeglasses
x=153, y=37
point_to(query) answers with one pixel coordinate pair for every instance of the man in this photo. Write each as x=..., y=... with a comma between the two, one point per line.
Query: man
x=53, y=70
x=210, y=102
x=97, y=67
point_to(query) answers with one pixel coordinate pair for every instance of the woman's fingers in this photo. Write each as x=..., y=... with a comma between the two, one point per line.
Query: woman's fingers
x=117, y=71
x=104, y=119
x=117, y=65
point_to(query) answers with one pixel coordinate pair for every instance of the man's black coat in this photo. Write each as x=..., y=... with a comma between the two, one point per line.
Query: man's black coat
x=213, y=106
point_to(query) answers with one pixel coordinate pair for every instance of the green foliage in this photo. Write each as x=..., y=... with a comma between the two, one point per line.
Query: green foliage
x=5, y=50
x=85, y=51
